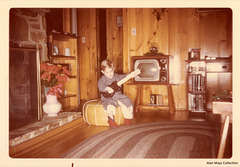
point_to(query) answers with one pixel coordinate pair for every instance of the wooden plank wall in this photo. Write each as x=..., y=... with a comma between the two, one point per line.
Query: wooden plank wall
x=177, y=31
x=148, y=30
x=87, y=53
x=67, y=20
x=114, y=39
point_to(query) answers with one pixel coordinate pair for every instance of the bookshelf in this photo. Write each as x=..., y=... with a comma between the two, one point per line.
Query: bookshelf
x=63, y=50
x=196, y=85
x=205, y=78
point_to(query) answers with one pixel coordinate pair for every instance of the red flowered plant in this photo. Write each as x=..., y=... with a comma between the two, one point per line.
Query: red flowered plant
x=54, y=76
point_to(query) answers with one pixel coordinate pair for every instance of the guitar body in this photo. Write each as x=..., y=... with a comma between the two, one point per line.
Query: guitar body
x=115, y=87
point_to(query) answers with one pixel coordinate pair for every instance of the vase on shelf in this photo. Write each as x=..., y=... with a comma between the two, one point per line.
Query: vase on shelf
x=52, y=107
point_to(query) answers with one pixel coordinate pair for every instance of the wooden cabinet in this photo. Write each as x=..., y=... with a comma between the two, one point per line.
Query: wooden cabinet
x=196, y=85
x=63, y=50
x=205, y=79
x=219, y=80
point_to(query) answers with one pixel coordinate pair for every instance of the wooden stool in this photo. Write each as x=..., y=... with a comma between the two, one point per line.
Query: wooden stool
x=225, y=109
x=94, y=114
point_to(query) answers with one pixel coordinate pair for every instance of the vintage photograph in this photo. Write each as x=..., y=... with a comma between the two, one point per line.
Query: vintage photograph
x=121, y=83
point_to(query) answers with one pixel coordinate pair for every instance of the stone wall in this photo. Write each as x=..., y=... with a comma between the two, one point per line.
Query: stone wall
x=28, y=29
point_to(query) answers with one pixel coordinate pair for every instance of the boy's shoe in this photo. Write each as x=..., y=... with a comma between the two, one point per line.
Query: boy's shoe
x=127, y=122
x=112, y=123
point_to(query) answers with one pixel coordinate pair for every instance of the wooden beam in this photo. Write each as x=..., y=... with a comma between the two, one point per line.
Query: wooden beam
x=67, y=17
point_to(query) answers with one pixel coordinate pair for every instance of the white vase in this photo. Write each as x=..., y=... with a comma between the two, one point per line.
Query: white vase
x=52, y=107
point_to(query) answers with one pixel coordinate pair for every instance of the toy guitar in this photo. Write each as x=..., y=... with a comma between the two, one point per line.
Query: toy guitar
x=116, y=86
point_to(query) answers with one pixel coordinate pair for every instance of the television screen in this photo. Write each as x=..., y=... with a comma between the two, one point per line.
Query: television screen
x=161, y=69
x=149, y=70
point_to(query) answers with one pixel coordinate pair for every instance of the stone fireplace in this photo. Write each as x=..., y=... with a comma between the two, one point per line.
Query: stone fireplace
x=24, y=87
x=28, y=46
x=28, y=29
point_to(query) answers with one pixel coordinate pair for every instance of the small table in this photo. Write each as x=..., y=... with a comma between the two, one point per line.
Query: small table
x=139, y=100
x=225, y=109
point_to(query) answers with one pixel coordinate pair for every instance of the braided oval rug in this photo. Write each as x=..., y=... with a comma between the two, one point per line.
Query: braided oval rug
x=152, y=140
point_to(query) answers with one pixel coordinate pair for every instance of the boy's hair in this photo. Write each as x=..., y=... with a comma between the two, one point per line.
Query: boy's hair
x=106, y=64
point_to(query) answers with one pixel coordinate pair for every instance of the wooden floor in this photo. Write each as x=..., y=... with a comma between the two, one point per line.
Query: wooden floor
x=60, y=142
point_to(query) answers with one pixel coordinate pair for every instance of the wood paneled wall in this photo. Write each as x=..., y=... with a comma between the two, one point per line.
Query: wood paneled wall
x=89, y=53
x=67, y=15
x=177, y=31
x=148, y=30
x=88, y=66
x=114, y=39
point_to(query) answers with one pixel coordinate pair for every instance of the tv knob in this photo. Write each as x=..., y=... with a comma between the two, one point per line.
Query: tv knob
x=163, y=79
x=163, y=61
x=164, y=68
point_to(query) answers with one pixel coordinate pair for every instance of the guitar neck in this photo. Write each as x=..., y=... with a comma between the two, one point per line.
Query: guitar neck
x=129, y=76
x=122, y=81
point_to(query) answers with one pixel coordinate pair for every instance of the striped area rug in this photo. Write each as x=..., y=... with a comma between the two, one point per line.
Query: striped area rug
x=152, y=140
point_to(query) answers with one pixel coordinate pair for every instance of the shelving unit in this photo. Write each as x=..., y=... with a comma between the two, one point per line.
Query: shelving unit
x=139, y=101
x=60, y=45
x=196, y=85
x=204, y=79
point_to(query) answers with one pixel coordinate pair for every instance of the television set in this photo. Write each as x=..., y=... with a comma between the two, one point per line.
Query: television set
x=154, y=69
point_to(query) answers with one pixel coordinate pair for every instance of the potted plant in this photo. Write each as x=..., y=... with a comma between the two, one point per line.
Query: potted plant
x=53, y=77
x=222, y=95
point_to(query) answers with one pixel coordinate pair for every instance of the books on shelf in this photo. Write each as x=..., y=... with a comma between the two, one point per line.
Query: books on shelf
x=196, y=82
x=196, y=102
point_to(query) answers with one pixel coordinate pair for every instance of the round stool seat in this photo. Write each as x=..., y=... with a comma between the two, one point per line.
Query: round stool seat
x=94, y=114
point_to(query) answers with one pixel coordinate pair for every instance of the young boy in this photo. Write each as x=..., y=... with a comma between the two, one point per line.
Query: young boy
x=110, y=103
